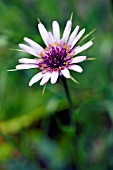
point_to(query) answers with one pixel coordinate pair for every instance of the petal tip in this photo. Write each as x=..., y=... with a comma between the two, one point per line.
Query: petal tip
x=55, y=22
x=91, y=42
x=83, y=29
x=69, y=22
x=40, y=24
x=30, y=84
x=41, y=83
x=25, y=38
x=20, y=45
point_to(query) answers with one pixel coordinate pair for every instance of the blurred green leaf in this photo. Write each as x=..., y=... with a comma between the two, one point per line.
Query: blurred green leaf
x=5, y=151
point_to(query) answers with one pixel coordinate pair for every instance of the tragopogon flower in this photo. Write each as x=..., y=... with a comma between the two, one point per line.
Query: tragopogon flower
x=58, y=57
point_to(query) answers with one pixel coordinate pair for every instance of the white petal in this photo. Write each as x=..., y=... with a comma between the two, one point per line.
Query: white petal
x=33, y=44
x=56, y=30
x=84, y=47
x=54, y=77
x=27, y=61
x=73, y=35
x=73, y=51
x=51, y=38
x=45, y=78
x=78, y=59
x=44, y=34
x=26, y=66
x=35, y=78
x=66, y=73
x=76, y=68
x=28, y=49
x=78, y=37
x=67, y=31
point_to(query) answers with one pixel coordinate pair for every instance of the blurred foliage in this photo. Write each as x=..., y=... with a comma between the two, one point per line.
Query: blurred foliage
x=34, y=129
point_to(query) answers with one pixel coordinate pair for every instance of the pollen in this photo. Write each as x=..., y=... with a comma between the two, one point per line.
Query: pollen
x=65, y=63
x=66, y=47
x=41, y=54
x=55, y=56
x=56, y=44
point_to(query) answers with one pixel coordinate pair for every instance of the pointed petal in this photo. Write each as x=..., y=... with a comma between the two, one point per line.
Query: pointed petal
x=28, y=49
x=66, y=73
x=35, y=78
x=56, y=30
x=44, y=34
x=51, y=38
x=27, y=61
x=45, y=78
x=78, y=59
x=78, y=37
x=33, y=44
x=73, y=35
x=67, y=31
x=76, y=68
x=54, y=77
x=84, y=47
x=26, y=66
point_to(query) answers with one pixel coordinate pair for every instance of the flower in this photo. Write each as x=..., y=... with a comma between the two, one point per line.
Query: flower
x=58, y=57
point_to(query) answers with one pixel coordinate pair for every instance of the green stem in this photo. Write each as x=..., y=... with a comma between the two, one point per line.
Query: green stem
x=72, y=123
x=67, y=95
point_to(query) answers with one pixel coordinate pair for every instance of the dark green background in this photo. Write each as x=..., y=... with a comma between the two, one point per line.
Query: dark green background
x=33, y=131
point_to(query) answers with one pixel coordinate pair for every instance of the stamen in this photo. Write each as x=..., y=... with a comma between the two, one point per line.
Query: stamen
x=56, y=56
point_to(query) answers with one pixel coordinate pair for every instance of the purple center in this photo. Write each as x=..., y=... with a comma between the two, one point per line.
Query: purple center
x=55, y=58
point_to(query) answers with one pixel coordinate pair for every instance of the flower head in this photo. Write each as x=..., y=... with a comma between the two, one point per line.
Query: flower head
x=58, y=57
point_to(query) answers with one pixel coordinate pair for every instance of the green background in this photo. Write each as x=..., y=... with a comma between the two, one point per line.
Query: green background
x=34, y=134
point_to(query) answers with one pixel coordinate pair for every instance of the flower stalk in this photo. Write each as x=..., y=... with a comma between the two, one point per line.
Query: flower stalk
x=68, y=97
